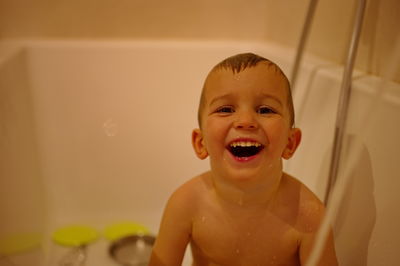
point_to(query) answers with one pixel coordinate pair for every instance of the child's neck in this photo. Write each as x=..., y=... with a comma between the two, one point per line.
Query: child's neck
x=248, y=193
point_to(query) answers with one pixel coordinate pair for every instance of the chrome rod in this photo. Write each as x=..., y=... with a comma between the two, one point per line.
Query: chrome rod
x=344, y=100
x=302, y=43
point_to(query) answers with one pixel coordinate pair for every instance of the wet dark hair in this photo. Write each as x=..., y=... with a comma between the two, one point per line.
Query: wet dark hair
x=238, y=63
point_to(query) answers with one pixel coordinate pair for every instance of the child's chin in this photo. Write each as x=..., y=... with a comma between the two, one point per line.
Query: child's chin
x=244, y=174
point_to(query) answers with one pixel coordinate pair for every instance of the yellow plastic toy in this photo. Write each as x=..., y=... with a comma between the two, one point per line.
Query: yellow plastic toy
x=122, y=229
x=75, y=235
x=19, y=243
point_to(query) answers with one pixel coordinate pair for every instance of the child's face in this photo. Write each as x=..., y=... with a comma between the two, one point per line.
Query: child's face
x=246, y=122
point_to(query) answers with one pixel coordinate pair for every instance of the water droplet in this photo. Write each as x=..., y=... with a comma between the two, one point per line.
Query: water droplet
x=240, y=202
x=203, y=219
x=140, y=244
x=110, y=128
x=237, y=251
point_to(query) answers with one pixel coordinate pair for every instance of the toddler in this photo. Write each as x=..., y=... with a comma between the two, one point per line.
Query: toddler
x=245, y=210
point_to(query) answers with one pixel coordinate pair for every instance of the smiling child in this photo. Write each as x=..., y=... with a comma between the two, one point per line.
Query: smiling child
x=245, y=210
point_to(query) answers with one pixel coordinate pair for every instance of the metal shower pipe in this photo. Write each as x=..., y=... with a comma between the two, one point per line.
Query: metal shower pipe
x=302, y=43
x=345, y=91
x=344, y=99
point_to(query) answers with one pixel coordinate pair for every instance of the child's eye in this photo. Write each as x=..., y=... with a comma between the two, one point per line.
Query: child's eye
x=225, y=109
x=265, y=110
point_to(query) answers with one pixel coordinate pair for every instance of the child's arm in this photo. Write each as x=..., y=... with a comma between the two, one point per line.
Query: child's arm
x=174, y=233
x=328, y=255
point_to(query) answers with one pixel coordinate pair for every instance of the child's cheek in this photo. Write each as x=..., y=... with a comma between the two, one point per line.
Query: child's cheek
x=278, y=132
x=215, y=132
x=213, y=124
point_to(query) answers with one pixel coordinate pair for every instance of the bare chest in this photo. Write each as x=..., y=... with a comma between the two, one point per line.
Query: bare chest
x=243, y=238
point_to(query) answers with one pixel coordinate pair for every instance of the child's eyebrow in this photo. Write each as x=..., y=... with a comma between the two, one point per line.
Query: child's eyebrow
x=273, y=97
x=262, y=96
x=222, y=97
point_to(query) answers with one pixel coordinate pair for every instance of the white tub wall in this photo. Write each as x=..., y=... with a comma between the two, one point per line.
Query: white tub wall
x=22, y=202
x=81, y=136
x=114, y=123
x=78, y=157
x=258, y=20
x=315, y=100
x=366, y=226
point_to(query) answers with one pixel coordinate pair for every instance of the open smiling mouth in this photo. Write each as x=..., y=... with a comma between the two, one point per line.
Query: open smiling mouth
x=244, y=149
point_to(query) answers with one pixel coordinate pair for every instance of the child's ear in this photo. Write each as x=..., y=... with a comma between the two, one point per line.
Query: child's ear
x=293, y=142
x=198, y=144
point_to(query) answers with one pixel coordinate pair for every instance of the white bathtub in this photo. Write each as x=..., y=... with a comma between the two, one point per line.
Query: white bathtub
x=97, y=132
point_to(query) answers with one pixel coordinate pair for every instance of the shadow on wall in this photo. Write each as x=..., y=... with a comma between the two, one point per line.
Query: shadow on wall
x=356, y=216
x=22, y=203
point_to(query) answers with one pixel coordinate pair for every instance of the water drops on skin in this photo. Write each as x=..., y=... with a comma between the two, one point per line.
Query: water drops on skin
x=309, y=229
x=310, y=210
x=240, y=201
x=110, y=128
x=273, y=260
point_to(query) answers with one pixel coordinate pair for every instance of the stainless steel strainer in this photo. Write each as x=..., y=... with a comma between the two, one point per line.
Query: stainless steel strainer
x=133, y=250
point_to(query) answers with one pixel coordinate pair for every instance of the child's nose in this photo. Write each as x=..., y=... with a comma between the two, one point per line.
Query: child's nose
x=245, y=121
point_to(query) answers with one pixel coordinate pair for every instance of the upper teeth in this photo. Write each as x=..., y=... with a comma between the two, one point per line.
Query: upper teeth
x=245, y=144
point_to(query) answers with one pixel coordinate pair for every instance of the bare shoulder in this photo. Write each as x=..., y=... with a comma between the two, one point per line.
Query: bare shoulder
x=176, y=224
x=310, y=209
x=189, y=194
x=192, y=189
x=310, y=214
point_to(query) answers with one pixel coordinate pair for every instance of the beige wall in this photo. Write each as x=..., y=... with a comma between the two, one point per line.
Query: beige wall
x=133, y=19
x=278, y=21
x=332, y=27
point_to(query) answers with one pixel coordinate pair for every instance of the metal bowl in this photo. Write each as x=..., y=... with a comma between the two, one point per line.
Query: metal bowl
x=133, y=250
